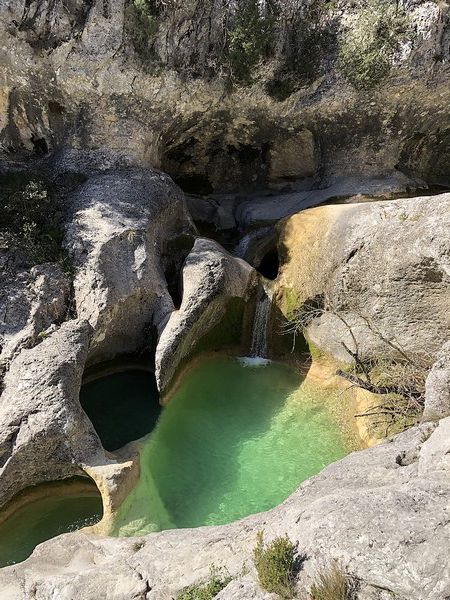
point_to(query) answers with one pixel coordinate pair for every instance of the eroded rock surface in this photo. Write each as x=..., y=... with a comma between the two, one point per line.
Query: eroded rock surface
x=120, y=225
x=437, y=389
x=381, y=268
x=214, y=284
x=156, y=91
x=30, y=303
x=44, y=433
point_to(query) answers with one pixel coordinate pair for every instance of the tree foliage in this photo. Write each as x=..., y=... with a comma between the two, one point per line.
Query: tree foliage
x=369, y=46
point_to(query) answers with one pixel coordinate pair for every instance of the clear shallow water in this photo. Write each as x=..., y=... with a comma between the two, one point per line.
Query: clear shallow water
x=43, y=519
x=235, y=439
x=122, y=407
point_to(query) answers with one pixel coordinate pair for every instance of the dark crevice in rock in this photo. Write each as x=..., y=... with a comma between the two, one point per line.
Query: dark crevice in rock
x=174, y=254
x=194, y=184
x=270, y=264
x=40, y=145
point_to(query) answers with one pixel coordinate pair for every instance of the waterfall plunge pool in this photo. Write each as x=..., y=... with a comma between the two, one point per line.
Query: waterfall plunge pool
x=235, y=439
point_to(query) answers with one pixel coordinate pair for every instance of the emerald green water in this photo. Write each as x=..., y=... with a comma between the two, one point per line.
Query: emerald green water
x=233, y=441
x=43, y=519
x=122, y=407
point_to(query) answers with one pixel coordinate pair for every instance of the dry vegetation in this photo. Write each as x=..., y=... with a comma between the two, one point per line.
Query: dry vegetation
x=398, y=382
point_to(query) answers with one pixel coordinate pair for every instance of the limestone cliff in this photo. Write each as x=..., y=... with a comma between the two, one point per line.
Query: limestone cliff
x=220, y=97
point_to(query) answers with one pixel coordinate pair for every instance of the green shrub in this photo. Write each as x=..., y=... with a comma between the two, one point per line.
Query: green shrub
x=367, y=50
x=276, y=565
x=332, y=584
x=30, y=219
x=250, y=39
x=141, y=24
x=219, y=579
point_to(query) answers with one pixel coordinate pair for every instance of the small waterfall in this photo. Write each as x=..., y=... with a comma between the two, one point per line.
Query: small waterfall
x=261, y=325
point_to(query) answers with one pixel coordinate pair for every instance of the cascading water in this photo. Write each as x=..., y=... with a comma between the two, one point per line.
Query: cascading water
x=261, y=325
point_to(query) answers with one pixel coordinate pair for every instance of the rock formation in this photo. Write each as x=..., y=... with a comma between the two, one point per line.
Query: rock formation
x=175, y=87
x=271, y=107
x=120, y=225
x=44, y=432
x=382, y=271
x=216, y=287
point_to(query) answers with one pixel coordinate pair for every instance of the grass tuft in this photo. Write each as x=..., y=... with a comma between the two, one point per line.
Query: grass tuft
x=333, y=584
x=219, y=579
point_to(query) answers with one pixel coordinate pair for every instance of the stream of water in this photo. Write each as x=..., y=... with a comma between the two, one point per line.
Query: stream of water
x=261, y=323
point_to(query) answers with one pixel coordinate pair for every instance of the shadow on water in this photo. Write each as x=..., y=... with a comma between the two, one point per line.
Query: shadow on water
x=122, y=406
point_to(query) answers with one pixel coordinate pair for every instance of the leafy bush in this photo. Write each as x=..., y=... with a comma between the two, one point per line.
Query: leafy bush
x=250, y=38
x=30, y=219
x=141, y=23
x=332, y=584
x=369, y=46
x=219, y=579
x=276, y=565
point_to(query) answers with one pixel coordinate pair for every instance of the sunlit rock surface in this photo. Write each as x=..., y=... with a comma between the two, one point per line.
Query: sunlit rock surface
x=383, y=270
x=214, y=284
x=120, y=224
